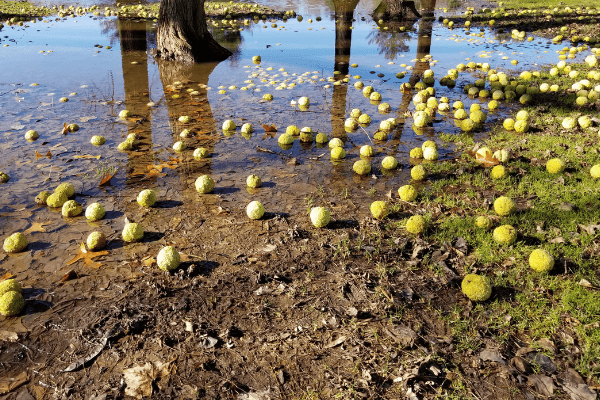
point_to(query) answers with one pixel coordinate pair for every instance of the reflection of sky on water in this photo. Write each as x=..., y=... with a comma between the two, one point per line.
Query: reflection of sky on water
x=297, y=47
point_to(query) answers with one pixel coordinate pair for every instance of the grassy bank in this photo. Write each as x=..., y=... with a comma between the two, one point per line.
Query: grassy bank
x=14, y=12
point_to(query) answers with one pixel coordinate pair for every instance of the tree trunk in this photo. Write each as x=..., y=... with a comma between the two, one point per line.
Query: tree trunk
x=182, y=33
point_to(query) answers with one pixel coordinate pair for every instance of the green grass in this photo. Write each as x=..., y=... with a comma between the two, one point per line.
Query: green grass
x=525, y=304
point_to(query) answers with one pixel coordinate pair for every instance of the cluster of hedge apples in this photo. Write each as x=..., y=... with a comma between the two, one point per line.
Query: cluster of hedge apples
x=475, y=287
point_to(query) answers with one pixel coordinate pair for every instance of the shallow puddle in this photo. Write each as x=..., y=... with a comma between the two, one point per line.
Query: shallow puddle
x=102, y=66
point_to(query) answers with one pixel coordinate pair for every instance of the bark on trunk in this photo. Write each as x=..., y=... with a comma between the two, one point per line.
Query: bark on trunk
x=182, y=33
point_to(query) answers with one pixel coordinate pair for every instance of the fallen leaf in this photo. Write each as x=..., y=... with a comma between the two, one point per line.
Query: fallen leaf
x=139, y=379
x=106, y=178
x=87, y=257
x=6, y=276
x=88, y=156
x=9, y=384
x=65, y=129
x=38, y=155
x=270, y=128
x=69, y=276
x=36, y=227
x=487, y=159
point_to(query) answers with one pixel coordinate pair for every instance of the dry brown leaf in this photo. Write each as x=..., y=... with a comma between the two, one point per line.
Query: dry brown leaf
x=140, y=379
x=65, y=129
x=38, y=155
x=270, y=128
x=106, y=178
x=8, y=384
x=88, y=156
x=6, y=276
x=487, y=159
x=87, y=257
x=69, y=276
x=36, y=227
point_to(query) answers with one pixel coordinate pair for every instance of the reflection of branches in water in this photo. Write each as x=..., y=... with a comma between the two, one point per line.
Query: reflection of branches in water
x=389, y=43
x=231, y=39
x=110, y=27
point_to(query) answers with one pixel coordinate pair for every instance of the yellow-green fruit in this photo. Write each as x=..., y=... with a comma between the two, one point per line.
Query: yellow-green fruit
x=498, y=172
x=71, y=208
x=184, y=119
x=505, y=234
x=321, y=138
x=364, y=119
x=483, y=222
x=584, y=121
x=502, y=155
x=179, y=147
x=595, y=171
x=521, y=126
x=337, y=153
x=67, y=188
x=367, y=151
x=504, y=206
x=200, y=153
x=96, y=241
x=389, y=162
x=98, y=140
x=418, y=173
x=467, y=125
x=569, y=123
x=430, y=154
x=168, y=258
x=255, y=210
x=361, y=167
x=56, y=199
x=522, y=115
x=285, y=139
x=355, y=113
x=541, y=261
x=132, y=232
x=306, y=137
x=379, y=209
x=292, y=130
x=11, y=303
x=509, y=124
x=415, y=225
x=125, y=146
x=417, y=152
x=253, y=181
x=42, y=198
x=319, y=216
x=269, y=97
x=407, y=193
x=31, y=136
x=15, y=243
x=247, y=128
x=124, y=114
x=229, y=125
x=73, y=127
x=476, y=287
x=146, y=198
x=204, y=184
x=428, y=143
x=555, y=166
x=10, y=285
x=4, y=177
x=94, y=212
x=335, y=142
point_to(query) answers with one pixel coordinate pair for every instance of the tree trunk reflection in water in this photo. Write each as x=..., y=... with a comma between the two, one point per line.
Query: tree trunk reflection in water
x=204, y=131
x=134, y=61
x=421, y=65
x=344, y=14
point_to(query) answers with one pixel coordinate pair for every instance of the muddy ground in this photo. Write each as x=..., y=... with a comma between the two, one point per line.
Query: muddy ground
x=272, y=309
